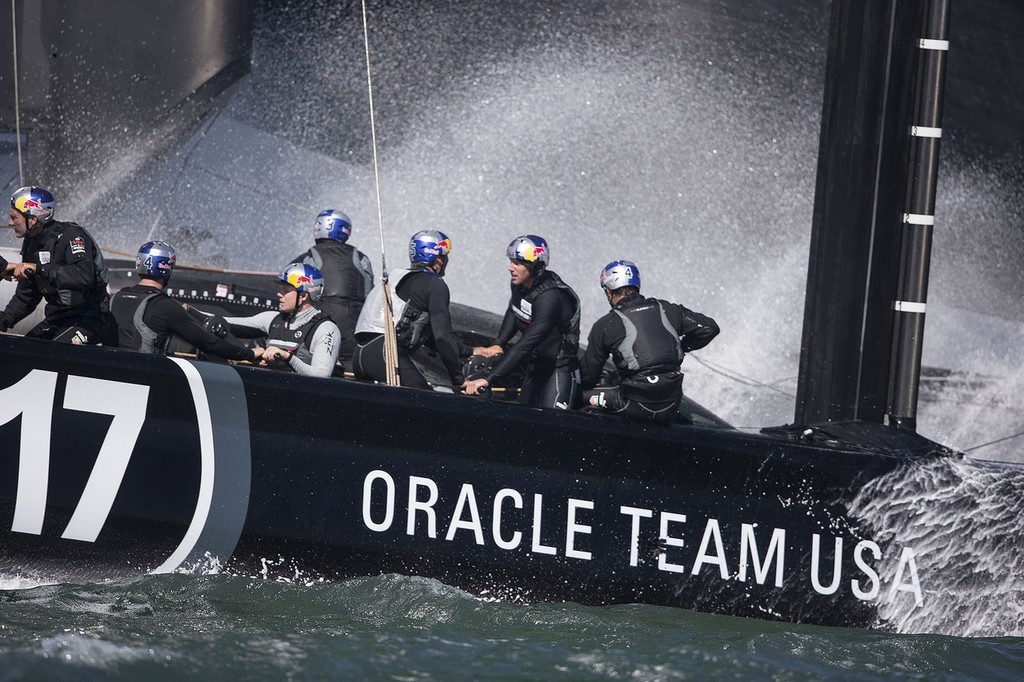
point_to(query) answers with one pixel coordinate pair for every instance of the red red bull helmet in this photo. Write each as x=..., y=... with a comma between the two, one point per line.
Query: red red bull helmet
x=530, y=249
x=304, y=278
x=34, y=201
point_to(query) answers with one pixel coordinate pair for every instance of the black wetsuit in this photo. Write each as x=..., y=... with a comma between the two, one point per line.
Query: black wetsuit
x=348, y=278
x=161, y=317
x=646, y=338
x=72, y=276
x=425, y=320
x=548, y=316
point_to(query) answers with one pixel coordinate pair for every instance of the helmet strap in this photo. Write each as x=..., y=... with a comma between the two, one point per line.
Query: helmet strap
x=30, y=229
x=536, y=270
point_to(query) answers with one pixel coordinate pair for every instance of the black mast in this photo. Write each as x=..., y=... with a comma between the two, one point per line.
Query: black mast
x=848, y=354
x=919, y=217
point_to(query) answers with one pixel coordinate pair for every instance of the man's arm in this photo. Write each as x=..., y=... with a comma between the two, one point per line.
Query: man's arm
x=72, y=266
x=598, y=349
x=366, y=270
x=695, y=330
x=178, y=321
x=26, y=297
x=547, y=313
x=508, y=328
x=306, y=257
x=445, y=343
x=260, y=322
x=506, y=331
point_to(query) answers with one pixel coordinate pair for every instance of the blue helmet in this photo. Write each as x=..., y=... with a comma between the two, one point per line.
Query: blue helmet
x=304, y=278
x=620, y=273
x=155, y=259
x=530, y=249
x=427, y=245
x=331, y=224
x=34, y=201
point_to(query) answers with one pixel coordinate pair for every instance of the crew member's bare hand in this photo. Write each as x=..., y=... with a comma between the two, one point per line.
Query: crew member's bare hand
x=23, y=271
x=258, y=352
x=473, y=386
x=275, y=353
x=488, y=351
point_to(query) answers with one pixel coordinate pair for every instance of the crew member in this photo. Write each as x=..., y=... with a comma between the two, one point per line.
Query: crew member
x=348, y=276
x=546, y=311
x=420, y=313
x=647, y=338
x=147, y=317
x=60, y=263
x=300, y=338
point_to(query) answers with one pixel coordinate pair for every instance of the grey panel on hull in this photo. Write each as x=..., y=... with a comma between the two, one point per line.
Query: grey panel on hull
x=232, y=468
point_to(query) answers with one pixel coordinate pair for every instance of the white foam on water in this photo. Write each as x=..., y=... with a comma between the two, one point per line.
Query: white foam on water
x=17, y=582
x=964, y=521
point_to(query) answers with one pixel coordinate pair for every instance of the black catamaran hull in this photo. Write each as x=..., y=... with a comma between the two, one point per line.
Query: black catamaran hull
x=119, y=464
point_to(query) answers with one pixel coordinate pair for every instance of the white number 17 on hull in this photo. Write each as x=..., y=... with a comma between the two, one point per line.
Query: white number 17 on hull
x=33, y=399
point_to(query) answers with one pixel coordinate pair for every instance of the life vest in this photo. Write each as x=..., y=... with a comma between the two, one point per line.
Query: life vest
x=347, y=272
x=651, y=344
x=296, y=340
x=72, y=298
x=411, y=324
x=564, y=341
x=128, y=309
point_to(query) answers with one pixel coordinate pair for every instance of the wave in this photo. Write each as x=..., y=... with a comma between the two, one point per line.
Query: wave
x=959, y=515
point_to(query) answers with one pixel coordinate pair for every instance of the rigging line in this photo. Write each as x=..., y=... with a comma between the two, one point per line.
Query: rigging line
x=740, y=378
x=373, y=139
x=17, y=101
x=993, y=442
x=390, y=342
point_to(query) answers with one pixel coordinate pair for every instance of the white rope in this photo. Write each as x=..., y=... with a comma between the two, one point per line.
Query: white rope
x=17, y=101
x=390, y=342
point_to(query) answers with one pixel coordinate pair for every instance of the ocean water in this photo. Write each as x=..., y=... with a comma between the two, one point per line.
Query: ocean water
x=404, y=628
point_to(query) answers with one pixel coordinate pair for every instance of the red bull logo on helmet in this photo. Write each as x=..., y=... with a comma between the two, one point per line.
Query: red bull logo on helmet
x=529, y=249
x=302, y=277
x=29, y=205
x=440, y=248
x=532, y=253
x=33, y=201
